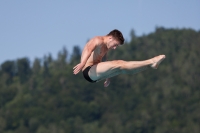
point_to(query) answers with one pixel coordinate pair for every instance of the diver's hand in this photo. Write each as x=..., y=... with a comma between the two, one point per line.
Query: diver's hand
x=107, y=82
x=78, y=68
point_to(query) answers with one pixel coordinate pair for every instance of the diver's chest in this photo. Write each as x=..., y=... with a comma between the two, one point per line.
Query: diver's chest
x=100, y=51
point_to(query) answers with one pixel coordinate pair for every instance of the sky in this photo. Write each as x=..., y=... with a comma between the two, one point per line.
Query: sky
x=36, y=28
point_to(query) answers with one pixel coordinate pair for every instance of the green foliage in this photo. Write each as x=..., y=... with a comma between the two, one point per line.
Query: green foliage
x=23, y=69
x=47, y=98
x=76, y=55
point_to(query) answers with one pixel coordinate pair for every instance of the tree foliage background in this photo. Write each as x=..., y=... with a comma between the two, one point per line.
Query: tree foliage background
x=45, y=97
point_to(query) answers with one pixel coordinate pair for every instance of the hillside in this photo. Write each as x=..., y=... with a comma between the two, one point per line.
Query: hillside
x=47, y=98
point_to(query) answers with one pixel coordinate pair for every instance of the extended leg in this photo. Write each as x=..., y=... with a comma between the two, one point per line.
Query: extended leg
x=109, y=69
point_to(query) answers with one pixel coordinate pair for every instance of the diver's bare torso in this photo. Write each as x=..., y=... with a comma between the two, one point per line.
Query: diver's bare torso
x=97, y=55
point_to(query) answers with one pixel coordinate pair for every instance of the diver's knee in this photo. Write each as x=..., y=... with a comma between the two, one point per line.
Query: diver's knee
x=120, y=64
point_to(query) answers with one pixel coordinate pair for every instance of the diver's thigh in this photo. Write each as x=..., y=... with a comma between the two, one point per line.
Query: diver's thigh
x=106, y=69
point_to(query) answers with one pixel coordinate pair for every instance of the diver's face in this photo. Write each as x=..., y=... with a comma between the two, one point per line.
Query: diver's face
x=113, y=44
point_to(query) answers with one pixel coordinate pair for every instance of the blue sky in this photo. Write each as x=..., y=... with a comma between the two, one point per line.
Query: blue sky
x=38, y=27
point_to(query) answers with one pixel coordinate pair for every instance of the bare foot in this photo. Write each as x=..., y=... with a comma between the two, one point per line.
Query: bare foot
x=157, y=60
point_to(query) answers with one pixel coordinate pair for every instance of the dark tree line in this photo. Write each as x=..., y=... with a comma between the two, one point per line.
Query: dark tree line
x=45, y=97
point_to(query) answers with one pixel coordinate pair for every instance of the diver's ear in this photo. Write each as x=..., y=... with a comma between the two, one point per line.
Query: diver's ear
x=110, y=38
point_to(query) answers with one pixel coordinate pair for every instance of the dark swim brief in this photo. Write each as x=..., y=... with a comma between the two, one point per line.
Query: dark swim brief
x=86, y=76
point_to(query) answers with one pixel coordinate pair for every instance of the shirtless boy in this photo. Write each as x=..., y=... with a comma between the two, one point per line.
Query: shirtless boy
x=95, y=70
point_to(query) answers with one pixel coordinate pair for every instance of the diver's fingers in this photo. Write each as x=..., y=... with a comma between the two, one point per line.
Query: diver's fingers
x=76, y=66
x=77, y=70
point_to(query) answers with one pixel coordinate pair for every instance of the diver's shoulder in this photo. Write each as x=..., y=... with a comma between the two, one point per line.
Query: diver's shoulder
x=98, y=39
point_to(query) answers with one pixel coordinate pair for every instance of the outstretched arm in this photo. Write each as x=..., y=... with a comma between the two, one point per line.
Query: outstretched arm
x=88, y=49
